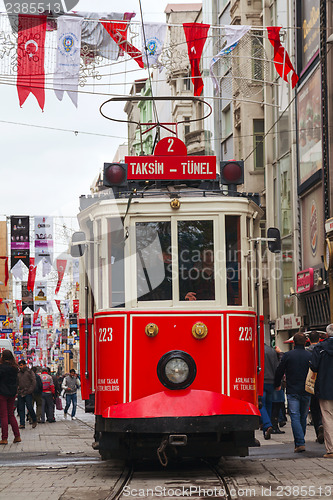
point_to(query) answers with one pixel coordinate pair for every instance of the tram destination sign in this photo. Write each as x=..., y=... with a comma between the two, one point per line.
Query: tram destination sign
x=170, y=167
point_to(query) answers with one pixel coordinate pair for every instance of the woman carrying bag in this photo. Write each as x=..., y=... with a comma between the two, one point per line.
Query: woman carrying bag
x=8, y=390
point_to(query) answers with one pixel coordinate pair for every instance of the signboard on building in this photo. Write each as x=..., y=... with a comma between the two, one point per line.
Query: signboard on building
x=308, y=13
x=288, y=322
x=305, y=280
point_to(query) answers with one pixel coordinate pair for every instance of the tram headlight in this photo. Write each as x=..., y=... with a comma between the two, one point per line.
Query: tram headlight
x=176, y=370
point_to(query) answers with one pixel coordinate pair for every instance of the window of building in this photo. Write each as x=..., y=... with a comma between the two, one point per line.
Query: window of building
x=226, y=122
x=258, y=143
x=187, y=126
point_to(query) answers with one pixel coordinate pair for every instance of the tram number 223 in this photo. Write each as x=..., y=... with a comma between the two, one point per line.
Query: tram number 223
x=245, y=333
x=105, y=335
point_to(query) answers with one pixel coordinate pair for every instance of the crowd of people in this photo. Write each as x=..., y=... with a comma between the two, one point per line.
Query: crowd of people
x=291, y=369
x=35, y=390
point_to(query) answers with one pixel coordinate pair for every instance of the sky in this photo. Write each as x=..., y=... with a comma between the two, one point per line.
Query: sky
x=44, y=171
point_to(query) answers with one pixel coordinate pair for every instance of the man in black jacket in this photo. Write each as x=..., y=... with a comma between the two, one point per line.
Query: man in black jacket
x=295, y=364
x=322, y=363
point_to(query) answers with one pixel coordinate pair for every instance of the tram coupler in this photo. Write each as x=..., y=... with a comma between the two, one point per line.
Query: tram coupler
x=178, y=439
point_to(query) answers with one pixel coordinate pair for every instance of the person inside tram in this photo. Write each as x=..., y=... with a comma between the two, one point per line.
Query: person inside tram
x=201, y=285
x=163, y=291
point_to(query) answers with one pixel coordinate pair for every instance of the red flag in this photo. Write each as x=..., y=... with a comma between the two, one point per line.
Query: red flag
x=49, y=321
x=75, y=306
x=118, y=32
x=30, y=58
x=6, y=269
x=61, y=266
x=19, y=306
x=281, y=57
x=196, y=35
x=32, y=275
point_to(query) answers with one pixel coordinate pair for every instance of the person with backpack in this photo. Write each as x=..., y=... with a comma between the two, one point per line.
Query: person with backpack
x=47, y=396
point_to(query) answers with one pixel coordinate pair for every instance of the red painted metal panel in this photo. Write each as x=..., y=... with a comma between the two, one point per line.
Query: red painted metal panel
x=187, y=403
x=242, y=358
x=175, y=333
x=86, y=383
x=110, y=335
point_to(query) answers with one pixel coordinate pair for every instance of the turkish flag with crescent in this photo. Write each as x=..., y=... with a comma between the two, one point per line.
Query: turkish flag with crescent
x=282, y=61
x=61, y=266
x=118, y=32
x=196, y=36
x=30, y=58
x=31, y=275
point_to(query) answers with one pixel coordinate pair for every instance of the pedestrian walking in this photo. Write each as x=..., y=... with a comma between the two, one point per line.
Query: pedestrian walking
x=8, y=390
x=314, y=403
x=295, y=365
x=271, y=363
x=37, y=395
x=47, y=396
x=322, y=364
x=71, y=384
x=26, y=387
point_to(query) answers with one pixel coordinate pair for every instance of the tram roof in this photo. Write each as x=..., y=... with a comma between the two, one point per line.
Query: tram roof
x=167, y=192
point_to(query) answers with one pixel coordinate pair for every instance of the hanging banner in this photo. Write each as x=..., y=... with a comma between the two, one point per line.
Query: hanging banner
x=282, y=61
x=30, y=58
x=19, y=306
x=66, y=77
x=49, y=320
x=40, y=295
x=61, y=266
x=76, y=306
x=32, y=275
x=153, y=37
x=27, y=297
x=118, y=32
x=196, y=35
x=94, y=36
x=43, y=239
x=19, y=240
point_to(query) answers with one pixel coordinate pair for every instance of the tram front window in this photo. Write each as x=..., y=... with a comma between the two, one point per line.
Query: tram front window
x=154, y=261
x=196, y=260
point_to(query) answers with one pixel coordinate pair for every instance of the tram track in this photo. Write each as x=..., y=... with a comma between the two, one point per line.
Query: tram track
x=195, y=480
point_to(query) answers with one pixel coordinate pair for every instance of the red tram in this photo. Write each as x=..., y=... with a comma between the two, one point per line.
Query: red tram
x=170, y=344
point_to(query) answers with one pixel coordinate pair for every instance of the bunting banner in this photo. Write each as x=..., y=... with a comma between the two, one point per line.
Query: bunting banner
x=43, y=239
x=94, y=36
x=118, y=32
x=62, y=318
x=61, y=267
x=30, y=58
x=232, y=36
x=17, y=270
x=49, y=320
x=6, y=269
x=36, y=314
x=32, y=275
x=196, y=35
x=153, y=36
x=66, y=76
x=282, y=61
x=19, y=240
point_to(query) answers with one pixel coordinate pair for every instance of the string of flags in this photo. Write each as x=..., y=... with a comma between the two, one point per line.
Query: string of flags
x=109, y=36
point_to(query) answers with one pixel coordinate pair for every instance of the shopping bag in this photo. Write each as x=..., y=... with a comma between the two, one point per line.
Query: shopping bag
x=58, y=403
x=310, y=381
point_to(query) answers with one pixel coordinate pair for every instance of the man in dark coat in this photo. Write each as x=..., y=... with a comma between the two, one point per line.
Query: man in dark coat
x=271, y=364
x=322, y=364
x=295, y=365
x=26, y=386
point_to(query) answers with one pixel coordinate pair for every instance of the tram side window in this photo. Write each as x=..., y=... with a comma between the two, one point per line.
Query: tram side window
x=233, y=262
x=196, y=260
x=154, y=262
x=116, y=260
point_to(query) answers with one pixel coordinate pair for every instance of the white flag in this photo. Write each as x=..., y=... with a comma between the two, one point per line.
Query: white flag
x=66, y=77
x=233, y=35
x=17, y=270
x=153, y=36
x=96, y=38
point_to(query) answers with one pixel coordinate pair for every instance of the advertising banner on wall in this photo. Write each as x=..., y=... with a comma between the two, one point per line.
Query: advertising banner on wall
x=309, y=128
x=43, y=239
x=313, y=235
x=40, y=295
x=309, y=34
x=19, y=240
